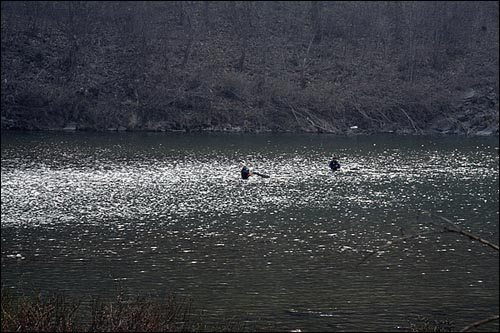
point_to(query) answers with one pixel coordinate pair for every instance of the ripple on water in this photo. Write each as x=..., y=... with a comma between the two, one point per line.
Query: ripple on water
x=174, y=217
x=160, y=189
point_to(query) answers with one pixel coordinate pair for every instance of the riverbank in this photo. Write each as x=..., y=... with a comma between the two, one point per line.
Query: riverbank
x=490, y=131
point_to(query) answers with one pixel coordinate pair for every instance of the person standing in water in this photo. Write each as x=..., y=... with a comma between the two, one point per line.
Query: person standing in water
x=334, y=164
x=245, y=172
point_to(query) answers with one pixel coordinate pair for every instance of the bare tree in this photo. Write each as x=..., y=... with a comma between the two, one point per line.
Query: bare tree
x=187, y=14
x=242, y=16
x=316, y=7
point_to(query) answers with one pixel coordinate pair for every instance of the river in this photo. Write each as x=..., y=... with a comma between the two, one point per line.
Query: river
x=158, y=213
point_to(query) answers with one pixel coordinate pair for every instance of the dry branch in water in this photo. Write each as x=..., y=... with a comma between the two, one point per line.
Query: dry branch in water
x=449, y=227
x=454, y=228
x=479, y=323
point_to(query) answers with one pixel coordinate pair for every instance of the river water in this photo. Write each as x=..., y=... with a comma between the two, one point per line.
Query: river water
x=157, y=213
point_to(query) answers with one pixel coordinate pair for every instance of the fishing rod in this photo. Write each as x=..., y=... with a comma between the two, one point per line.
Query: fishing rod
x=260, y=174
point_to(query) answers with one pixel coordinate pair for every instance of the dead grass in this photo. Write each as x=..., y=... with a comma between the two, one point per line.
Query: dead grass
x=56, y=313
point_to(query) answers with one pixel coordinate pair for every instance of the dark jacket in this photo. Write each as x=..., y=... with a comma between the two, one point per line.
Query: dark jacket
x=334, y=165
x=245, y=173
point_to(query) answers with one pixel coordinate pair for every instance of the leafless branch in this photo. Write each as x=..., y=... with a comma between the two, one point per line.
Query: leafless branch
x=479, y=323
x=454, y=228
x=450, y=227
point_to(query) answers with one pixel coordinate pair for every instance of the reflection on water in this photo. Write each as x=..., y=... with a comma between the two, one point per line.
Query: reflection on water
x=161, y=213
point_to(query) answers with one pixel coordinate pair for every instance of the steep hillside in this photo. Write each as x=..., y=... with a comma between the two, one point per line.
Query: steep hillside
x=336, y=67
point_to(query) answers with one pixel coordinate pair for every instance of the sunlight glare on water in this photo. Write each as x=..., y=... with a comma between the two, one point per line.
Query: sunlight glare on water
x=169, y=213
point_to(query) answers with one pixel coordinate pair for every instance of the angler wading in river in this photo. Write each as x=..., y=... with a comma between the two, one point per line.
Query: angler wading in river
x=246, y=172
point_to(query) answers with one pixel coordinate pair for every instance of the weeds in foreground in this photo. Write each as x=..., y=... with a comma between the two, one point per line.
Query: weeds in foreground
x=123, y=314
x=424, y=324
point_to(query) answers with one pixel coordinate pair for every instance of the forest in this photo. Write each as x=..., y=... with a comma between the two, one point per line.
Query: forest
x=342, y=67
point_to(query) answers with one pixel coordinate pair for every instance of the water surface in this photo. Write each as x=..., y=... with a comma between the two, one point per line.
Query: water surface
x=168, y=213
